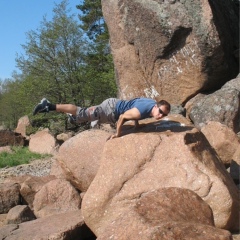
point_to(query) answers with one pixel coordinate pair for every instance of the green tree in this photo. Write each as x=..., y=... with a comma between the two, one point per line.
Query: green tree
x=54, y=58
x=59, y=63
x=12, y=104
x=92, y=20
x=99, y=60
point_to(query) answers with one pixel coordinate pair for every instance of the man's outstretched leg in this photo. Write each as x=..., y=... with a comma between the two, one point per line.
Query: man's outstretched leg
x=75, y=114
x=45, y=106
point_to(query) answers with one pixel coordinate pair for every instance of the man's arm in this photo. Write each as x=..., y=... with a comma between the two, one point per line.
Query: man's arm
x=132, y=114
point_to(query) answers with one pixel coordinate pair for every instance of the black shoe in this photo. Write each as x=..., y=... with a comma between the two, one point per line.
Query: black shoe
x=42, y=107
x=71, y=119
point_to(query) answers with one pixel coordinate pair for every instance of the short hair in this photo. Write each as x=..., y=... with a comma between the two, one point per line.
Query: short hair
x=165, y=103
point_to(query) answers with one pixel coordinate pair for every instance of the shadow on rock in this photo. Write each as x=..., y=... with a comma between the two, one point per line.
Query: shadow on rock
x=160, y=126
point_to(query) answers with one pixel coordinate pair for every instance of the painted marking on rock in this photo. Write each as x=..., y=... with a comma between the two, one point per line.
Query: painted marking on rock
x=181, y=60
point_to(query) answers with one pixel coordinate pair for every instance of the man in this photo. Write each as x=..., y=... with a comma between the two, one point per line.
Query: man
x=111, y=110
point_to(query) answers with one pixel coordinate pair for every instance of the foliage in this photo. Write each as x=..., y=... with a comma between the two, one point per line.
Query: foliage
x=54, y=58
x=19, y=155
x=99, y=62
x=12, y=101
x=92, y=20
x=55, y=122
x=61, y=64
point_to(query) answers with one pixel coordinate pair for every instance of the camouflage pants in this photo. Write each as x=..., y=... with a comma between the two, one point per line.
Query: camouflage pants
x=104, y=113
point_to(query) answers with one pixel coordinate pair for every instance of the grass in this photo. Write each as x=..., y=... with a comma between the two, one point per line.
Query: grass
x=18, y=156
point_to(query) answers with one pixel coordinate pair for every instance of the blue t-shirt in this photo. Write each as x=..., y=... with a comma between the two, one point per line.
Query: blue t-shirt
x=144, y=106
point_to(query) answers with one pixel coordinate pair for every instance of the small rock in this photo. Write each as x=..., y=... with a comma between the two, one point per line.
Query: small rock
x=9, y=196
x=19, y=214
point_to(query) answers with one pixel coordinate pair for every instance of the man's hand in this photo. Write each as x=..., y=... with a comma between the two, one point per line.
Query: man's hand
x=132, y=114
x=112, y=136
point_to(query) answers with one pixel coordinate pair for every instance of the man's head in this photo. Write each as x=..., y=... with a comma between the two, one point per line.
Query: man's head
x=161, y=109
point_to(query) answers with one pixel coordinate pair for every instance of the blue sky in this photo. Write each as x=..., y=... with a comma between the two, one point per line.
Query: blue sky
x=17, y=18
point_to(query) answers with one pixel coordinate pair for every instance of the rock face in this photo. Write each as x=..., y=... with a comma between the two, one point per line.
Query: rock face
x=160, y=47
x=80, y=157
x=146, y=162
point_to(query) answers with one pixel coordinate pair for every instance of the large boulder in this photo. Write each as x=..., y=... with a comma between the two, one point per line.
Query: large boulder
x=222, y=138
x=80, y=156
x=166, y=213
x=221, y=106
x=65, y=226
x=172, y=49
x=43, y=142
x=57, y=196
x=153, y=160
